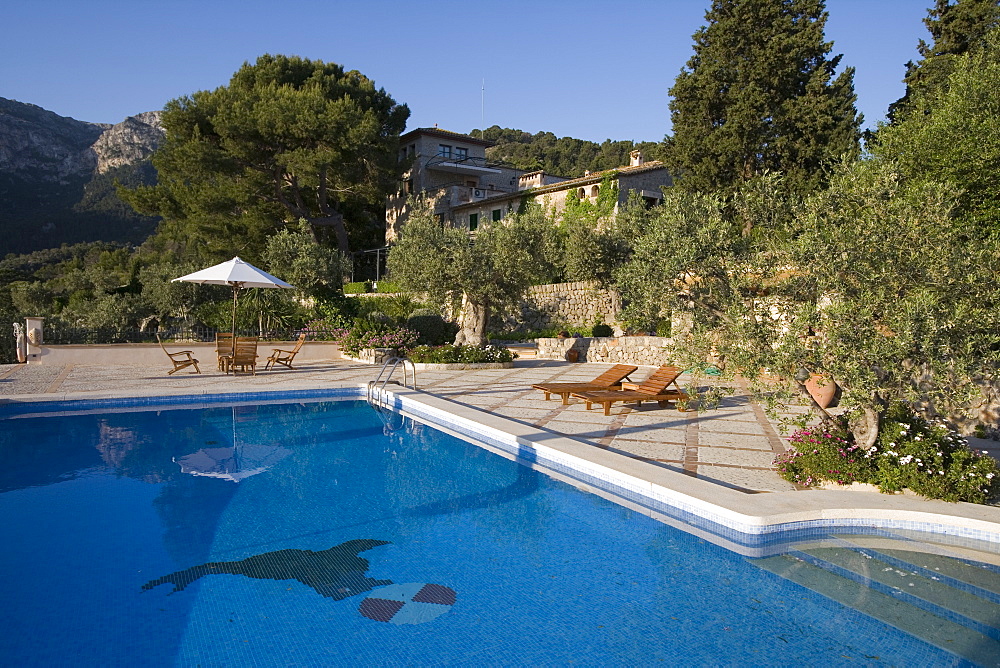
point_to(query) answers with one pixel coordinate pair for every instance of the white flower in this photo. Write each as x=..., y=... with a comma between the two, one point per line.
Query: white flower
x=989, y=476
x=940, y=472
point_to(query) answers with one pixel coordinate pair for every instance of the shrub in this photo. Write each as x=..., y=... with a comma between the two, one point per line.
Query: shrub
x=434, y=330
x=358, y=288
x=325, y=329
x=600, y=329
x=354, y=341
x=397, y=307
x=388, y=287
x=926, y=457
x=450, y=354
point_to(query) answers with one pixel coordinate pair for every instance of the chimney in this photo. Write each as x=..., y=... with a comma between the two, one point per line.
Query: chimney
x=635, y=158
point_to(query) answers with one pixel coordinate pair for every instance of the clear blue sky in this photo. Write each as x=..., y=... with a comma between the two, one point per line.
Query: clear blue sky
x=586, y=69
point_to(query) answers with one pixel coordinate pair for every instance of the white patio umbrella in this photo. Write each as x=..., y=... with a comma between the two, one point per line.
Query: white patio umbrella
x=238, y=274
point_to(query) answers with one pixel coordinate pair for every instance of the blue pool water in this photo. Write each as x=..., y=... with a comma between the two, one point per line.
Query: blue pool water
x=103, y=516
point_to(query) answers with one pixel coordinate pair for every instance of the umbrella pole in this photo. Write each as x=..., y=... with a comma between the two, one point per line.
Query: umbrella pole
x=236, y=292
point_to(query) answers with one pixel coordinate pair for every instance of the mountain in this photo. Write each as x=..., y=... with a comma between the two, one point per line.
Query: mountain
x=57, y=177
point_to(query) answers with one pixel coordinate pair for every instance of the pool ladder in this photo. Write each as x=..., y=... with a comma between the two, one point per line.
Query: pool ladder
x=376, y=388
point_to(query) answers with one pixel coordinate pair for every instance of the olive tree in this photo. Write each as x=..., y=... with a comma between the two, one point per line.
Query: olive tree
x=871, y=283
x=476, y=275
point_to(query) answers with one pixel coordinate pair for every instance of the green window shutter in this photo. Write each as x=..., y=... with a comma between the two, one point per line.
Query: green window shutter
x=473, y=221
x=496, y=214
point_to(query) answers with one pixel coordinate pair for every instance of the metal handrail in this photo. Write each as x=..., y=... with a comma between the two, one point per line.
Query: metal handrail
x=373, y=385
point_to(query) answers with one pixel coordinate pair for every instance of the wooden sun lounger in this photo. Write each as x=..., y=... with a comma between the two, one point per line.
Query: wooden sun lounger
x=285, y=357
x=610, y=379
x=181, y=359
x=654, y=388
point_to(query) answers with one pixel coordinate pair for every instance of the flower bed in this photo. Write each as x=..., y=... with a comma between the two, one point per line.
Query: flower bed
x=453, y=357
x=451, y=354
x=910, y=453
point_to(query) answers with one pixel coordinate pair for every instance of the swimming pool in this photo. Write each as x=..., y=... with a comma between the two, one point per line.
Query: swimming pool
x=322, y=532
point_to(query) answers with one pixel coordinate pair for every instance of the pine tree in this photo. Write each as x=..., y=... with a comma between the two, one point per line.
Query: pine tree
x=957, y=26
x=761, y=95
x=287, y=139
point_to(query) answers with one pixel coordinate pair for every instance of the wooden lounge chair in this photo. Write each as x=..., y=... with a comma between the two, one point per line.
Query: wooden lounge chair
x=181, y=359
x=654, y=388
x=609, y=380
x=244, y=355
x=285, y=357
x=223, y=349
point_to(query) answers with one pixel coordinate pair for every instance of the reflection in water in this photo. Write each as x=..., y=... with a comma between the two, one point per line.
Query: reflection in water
x=235, y=463
x=335, y=573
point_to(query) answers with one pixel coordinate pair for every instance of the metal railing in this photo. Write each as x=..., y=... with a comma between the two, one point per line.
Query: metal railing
x=376, y=393
x=108, y=335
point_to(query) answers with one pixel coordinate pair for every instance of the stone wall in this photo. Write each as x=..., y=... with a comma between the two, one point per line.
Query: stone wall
x=639, y=350
x=578, y=304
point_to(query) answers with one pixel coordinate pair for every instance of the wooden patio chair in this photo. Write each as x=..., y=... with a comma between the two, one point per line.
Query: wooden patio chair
x=244, y=355
x=181, y=359
x=655, y=388
x=609, y=380
x=285, y=357
x=223, y=349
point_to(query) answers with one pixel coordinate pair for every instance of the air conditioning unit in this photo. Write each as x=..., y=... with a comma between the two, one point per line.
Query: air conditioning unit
x=478, y=193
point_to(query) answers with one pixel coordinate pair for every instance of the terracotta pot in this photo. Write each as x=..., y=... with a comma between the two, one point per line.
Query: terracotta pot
x=572, y=355
x=822, y=389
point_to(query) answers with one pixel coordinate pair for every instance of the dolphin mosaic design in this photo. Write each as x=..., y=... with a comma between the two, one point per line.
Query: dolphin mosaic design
x=335, y=573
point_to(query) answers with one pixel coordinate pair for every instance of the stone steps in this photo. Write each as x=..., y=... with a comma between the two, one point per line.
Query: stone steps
x=950, y=602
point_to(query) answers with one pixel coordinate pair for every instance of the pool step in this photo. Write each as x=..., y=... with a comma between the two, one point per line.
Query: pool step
x=951, y=603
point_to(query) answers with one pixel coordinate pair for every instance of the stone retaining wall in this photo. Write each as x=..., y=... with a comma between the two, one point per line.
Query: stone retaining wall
x=578, y=304
x=639, y=350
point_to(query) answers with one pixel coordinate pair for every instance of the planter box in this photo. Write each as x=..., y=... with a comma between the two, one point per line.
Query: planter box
x=428, y=366
x=372, y=355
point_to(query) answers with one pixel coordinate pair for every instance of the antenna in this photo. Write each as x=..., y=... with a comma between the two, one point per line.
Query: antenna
x=483, y=111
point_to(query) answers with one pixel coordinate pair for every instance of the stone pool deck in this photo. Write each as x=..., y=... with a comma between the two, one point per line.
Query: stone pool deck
x=733, y=445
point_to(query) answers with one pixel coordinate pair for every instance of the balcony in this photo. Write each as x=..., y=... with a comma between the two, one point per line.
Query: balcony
x=455, y=165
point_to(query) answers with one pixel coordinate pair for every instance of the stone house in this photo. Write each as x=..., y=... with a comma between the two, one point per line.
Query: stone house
x=449, y=169
x=465, y=188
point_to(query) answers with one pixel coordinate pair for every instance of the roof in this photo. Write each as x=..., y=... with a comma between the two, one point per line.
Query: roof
x=445, y=134
x=595, y=177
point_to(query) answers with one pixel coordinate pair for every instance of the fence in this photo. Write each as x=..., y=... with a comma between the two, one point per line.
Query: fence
x=98, y=336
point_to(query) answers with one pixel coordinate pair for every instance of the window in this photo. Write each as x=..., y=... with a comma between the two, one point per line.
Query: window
x=444, y=150
x=408, y=186
x=594, y=191
x=496, y=214
x=440, y=219
x=581, y=193
x=461, y=153
x=473, y=221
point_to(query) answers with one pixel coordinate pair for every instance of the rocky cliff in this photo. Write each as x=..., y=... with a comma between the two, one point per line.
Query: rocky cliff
x=57, y=177
x=129, y=142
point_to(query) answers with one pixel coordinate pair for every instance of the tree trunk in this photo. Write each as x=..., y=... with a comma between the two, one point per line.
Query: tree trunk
x=336, y=221
x=473, y=319
x=865, y=428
